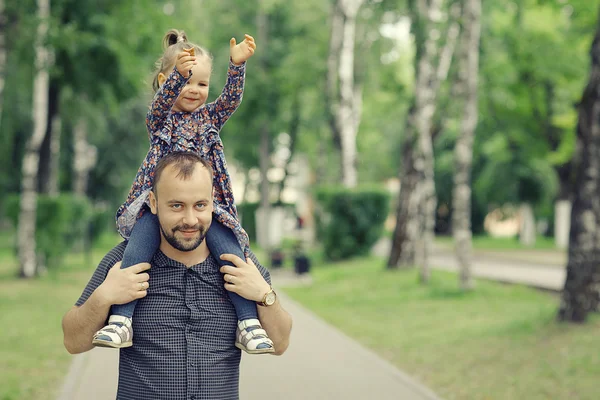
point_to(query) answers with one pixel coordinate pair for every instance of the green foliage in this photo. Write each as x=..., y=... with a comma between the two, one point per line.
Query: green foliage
x=350, y=221
x=62, y=222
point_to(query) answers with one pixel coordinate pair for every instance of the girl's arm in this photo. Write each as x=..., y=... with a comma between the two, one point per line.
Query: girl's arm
x=163, y=101
x=231, y=96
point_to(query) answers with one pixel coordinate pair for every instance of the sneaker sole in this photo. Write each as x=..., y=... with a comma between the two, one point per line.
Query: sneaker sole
x=257, y=351
x=101, y=343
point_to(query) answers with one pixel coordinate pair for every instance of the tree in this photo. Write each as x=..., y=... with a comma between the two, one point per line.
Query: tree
x=2, y=53
x=415, y=215
x=345, y=97
x=580, y=294
x=28, y=203
x=463, y=153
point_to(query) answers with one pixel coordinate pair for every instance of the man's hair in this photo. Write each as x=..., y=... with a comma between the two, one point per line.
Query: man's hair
x=184, y=161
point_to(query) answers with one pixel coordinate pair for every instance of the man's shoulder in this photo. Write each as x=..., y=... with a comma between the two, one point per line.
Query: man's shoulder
x=113, y=256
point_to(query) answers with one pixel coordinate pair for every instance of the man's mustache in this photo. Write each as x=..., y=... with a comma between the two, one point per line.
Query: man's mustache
x=187, y=228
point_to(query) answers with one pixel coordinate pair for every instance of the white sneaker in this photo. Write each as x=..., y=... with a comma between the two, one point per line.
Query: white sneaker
x=252, y=338
x=117, y=334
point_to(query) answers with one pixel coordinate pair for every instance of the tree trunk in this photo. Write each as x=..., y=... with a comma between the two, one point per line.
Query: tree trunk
x=580, y=294
x=84, y=157
x=562, y=206
x=350, y=95
x=264, y=212
x=53, y=183
x=50, y=148
x=331, y=92
x=527, y=230
x=2, y=53
x=463, y=152
x=28, y=203
x=402, y=253
x=415, y=216
x=293, y=133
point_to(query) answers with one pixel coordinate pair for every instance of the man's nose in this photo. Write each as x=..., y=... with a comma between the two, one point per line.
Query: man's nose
x=189, y=217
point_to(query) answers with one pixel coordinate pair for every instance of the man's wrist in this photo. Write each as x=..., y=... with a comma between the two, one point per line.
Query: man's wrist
x=101, y=297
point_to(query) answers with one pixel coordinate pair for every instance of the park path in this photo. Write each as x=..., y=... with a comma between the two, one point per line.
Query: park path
x=536, y=268
x=321, y=364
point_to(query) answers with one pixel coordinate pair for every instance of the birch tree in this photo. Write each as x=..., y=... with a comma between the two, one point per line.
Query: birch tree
x=463, y=151
x=347, y=102
x=28, y=202
x=414, y=233
x=263, y=226
x=2, y=53
x=84, y=157
x=580, y=293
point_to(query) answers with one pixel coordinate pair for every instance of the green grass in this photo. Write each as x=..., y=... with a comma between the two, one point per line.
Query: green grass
x=485, y=242
x=497, y=342
x=34, y=361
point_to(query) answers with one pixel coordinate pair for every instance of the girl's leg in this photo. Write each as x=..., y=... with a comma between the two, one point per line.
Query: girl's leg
x=250, y=336
x=142, y=244
x=221, y=240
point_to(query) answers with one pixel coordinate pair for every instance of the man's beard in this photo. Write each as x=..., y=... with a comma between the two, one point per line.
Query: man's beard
x=183, y=244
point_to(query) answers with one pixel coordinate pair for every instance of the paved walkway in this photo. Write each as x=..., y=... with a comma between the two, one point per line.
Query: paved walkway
x=540, y=269
x=320, y=364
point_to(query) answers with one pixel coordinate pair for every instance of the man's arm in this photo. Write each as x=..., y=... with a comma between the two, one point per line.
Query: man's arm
x=80, y=323
x=249, y=283
x=278, y=324
x=121, y=286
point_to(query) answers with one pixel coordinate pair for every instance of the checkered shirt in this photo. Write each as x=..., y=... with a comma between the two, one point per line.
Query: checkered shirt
x=184, y=333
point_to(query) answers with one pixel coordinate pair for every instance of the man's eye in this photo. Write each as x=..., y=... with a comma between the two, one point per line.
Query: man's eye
x=200, y=205
x=176, y=206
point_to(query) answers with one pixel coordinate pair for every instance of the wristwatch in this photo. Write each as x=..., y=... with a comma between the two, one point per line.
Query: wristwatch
x=268, y=299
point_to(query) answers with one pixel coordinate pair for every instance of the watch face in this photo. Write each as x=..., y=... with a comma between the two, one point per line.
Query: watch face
x=270, y=299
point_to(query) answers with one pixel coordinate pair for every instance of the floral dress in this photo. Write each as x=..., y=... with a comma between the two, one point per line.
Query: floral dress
x=198, y=132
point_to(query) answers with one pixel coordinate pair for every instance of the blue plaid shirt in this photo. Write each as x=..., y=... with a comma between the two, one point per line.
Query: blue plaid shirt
x=184, y=333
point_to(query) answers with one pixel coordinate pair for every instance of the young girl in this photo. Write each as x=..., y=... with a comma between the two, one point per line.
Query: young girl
x=179, y=120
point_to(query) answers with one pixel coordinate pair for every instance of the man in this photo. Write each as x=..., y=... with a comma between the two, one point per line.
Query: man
x=184, y=322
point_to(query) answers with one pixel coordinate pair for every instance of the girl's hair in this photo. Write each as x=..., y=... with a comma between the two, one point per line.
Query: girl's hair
x=175, y=42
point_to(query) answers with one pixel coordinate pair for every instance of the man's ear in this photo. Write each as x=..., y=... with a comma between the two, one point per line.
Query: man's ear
x=153, y=200
x=161, y=78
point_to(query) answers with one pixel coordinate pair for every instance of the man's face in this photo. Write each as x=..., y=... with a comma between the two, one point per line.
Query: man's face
x=183, y=207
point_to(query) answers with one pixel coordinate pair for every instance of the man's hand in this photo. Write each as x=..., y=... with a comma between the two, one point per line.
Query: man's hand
x=124, y=285
x=184, y=63
x=244, y=279
x=243, y=51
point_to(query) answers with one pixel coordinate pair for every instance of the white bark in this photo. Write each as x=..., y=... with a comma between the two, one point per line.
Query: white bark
x=52, y=186
x=527, y=231
x=425, y=101
x=417, y=202
x=28, y=204
x=350, y=95
x=463, y=152
x=562, y=223
x=84, y=158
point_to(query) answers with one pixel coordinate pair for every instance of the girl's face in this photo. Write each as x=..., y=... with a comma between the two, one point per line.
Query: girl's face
x=195, y=92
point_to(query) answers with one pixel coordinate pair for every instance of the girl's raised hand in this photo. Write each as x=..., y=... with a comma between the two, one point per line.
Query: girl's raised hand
x=184, y=64
x=243, y=51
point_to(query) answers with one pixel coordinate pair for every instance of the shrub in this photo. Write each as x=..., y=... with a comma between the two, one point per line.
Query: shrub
x=350, y=221
x=61, y=221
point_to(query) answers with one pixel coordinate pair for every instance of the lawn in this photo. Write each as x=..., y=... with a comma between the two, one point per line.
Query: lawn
x=498, y=342
x=484, y=242
x=34, y=361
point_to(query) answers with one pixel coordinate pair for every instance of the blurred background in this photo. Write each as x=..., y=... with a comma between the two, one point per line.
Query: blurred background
x=395, y=163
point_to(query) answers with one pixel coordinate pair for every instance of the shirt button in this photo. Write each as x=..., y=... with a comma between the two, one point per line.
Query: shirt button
x=192, y=397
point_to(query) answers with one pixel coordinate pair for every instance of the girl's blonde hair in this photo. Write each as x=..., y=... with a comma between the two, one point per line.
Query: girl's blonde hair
x=175, y=42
